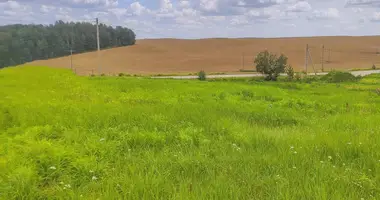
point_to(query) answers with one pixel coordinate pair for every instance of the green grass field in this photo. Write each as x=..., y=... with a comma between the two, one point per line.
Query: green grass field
x=69, y=137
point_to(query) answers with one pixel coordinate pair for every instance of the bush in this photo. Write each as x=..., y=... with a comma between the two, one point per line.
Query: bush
x=202, y=75
x=121, y=74
x=270, y=65
x=298, y=76
x=290, y=72
x=373, y=66
x=338, y=77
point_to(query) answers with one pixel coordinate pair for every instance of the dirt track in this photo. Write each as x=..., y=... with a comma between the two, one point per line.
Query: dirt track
x=174, y=56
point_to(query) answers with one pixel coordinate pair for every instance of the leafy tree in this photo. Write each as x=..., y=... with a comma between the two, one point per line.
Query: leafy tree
x=202, y=75
x=270, y=65
x=24, y=43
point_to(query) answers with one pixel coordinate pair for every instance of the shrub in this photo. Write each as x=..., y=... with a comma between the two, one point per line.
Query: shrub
x=202, y=75
x=290, y=72
x=373, y=66
x=338, y=77
x=270, y=65
x=102, y=75
x=298, y=76
x=121, y=74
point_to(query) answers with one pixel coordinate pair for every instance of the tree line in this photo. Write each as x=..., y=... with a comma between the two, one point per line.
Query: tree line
x=24, y=43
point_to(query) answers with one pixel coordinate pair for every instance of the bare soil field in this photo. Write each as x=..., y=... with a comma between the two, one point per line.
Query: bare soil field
x=178, y=56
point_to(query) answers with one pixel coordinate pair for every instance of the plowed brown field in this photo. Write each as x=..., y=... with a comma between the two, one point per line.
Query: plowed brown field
x=176, y=56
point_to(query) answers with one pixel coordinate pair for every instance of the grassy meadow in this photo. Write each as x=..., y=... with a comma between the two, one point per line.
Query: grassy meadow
x=69, y=137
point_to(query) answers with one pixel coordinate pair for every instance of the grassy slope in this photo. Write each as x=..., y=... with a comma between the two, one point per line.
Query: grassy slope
x=176, y=139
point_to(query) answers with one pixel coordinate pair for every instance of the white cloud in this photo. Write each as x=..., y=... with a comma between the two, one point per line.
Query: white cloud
x=47, y=9
x=375, y=17
x=302, y=6
x=184, y=4
x=137, y=8
x=330, y=13
x=205, y=18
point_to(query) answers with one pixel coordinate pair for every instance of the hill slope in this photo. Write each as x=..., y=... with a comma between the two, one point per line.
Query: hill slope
x=154, y=56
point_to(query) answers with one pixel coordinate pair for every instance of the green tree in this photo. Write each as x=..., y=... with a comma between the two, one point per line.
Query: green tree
x=270, y=65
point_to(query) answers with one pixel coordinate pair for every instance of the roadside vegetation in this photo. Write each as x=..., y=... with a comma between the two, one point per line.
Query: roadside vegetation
x=68, y=137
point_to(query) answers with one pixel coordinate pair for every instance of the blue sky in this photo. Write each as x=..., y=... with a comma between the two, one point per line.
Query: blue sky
x=207, y=18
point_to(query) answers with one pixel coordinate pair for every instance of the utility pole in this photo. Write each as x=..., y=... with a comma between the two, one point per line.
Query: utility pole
x=323, y=53
x=306, y=57
x=98, y=43
x=312, y=64
x=243, y=60
x=329, y=55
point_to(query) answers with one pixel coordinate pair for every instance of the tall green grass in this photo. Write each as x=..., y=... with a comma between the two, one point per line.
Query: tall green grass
x=69, y=137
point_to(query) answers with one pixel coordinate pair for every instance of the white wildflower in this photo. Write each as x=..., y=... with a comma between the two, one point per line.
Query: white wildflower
x=295, y=152
x=349, y=143
x=330, y=158
x=102, y=139
x=294, y=167
x=68, y=186
x=94, y=178
x=52, y=167
x=291, y=147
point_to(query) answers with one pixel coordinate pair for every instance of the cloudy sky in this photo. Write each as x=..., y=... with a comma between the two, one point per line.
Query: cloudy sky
x=207, y=18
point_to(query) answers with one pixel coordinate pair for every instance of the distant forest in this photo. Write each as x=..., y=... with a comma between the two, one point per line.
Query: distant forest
x=24, y=43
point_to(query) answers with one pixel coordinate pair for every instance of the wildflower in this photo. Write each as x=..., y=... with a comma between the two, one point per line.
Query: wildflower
x=291, y=147
x=52, y=167
x=370, y=170
x=91, y=171
x=68, y=186
x=344, y=164
x=333, y=166
x=295, y=152
x=129, y=150
x=102, y=139
x=175, y=155
x=321, y=161
x=349, y=143
x=94, y=178
x=61, y=183
x=294, y=167
x=330, y=158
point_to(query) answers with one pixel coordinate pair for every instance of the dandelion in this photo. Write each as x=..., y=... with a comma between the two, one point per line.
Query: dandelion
x=94, y=178
x=330, y=158
x=102, y=139
x=52, y=167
